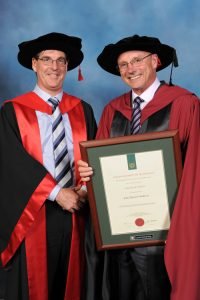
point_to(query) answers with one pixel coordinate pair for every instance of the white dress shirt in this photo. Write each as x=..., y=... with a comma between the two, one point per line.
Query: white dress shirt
x=45, y=126
x=148, y=94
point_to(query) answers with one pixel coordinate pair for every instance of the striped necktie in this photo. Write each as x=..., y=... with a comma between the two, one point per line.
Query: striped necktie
x=63, y=172
x=136, y=115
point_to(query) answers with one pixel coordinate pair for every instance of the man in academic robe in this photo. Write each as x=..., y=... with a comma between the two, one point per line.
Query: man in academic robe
x=42, y=205
x=142, y=273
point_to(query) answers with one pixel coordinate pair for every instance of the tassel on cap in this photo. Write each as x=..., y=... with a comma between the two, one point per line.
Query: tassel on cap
x=80, y=76
x=174, y=64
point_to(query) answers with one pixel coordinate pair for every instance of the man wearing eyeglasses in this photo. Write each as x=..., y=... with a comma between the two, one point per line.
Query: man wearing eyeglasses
x=140, y=273
x=43, y=211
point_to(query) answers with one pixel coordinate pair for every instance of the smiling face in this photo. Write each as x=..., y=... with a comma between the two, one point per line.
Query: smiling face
x=138, y=73
x=50, y=77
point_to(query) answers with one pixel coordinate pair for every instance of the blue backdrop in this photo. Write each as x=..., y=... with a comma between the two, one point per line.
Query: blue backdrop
x=98, y=22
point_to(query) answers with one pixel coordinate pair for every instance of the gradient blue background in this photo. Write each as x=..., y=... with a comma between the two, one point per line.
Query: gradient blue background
x=98, y=22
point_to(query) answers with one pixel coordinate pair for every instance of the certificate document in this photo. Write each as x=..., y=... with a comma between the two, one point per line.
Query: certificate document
x=133, y=190
x=136, y=192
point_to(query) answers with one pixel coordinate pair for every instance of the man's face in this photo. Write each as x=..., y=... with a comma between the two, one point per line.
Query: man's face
x=51, y=70
x=138, y=69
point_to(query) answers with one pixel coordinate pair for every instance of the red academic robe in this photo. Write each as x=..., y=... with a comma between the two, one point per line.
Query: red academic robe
x=25, y=185
x=182, y=257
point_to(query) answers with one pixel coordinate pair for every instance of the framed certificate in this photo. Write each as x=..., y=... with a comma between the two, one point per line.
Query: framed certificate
x=133, y=189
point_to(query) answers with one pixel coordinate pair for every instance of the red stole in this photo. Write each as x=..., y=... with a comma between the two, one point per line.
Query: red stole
x=164, y=95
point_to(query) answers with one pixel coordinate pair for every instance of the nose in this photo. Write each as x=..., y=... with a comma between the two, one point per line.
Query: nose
x=54, y=64
x=130, y=69
x=130, y=66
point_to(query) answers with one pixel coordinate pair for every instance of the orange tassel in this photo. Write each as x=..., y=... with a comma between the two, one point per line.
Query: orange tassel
x=80, y=76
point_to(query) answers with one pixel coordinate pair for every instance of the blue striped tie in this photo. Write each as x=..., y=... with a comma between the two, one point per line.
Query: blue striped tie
x=136, y=115
x=63, y=172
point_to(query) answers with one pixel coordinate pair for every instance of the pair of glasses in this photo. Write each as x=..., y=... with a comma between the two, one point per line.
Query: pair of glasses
x=137, y=61
x=48, y=61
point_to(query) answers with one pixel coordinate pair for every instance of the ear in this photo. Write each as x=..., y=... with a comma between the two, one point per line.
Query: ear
x=34, y=64
x=155, y=61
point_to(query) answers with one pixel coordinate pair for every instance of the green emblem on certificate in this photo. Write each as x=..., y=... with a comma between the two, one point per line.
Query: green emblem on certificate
x=131, y=161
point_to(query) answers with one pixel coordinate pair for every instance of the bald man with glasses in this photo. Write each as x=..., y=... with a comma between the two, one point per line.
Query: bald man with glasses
x=152, y=105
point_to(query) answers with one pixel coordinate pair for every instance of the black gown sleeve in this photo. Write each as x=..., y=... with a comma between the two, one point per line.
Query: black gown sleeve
x=94, y=259
x=20, y=174
x=90, y=120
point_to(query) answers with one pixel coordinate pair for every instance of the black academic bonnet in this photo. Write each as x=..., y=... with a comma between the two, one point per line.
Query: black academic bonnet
x=108, y=57
x=70, y=45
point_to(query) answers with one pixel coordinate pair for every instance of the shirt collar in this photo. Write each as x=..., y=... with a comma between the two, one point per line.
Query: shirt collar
x=148, y=94
x=45, y=96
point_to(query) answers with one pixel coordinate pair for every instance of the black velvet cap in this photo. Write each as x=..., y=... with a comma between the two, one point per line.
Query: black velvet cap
x=108, y=57
x=70, y=45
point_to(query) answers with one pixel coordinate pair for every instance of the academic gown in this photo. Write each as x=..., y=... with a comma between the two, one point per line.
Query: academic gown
x=181, y=257
x=24, y=187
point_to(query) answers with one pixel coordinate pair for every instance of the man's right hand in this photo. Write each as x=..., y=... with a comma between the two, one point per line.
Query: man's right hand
x=69, y=200
x=85, y=171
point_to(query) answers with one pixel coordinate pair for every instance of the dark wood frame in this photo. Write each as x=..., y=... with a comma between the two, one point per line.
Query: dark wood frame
x=171, y=139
